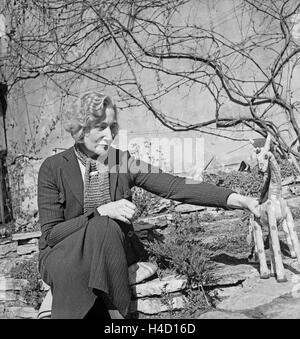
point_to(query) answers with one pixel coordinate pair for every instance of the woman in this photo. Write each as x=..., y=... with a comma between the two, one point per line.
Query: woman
x=85, y=209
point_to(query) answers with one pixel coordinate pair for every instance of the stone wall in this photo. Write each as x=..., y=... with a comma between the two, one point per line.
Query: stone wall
x=21, y=247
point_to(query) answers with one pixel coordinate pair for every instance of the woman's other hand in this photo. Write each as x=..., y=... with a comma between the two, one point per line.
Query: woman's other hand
x=240, y=201
x=122, y=210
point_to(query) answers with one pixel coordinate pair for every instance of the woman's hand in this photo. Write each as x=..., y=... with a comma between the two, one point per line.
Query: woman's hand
x=240, y=201
x=122, y=210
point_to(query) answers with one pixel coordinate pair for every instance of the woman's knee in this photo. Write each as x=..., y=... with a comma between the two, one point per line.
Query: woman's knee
x=104, y=224
x=99, y=221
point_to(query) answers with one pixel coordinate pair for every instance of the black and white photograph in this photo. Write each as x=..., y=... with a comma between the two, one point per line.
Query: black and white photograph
x=149, y=162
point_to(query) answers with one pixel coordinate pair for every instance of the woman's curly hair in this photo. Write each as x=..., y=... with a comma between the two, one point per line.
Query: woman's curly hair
x=84, y=114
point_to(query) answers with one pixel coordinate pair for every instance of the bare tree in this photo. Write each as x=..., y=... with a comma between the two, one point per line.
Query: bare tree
x=120, y=43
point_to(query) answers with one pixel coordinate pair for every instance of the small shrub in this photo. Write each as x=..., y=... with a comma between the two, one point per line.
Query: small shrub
x=248, y=183
x=198, y=302
x=182, y=254
x=242, y=182
x=32, y=293
x=207, y=217
x=295, y=213
x=287, y=169
x=167, y=300
x=145, y=202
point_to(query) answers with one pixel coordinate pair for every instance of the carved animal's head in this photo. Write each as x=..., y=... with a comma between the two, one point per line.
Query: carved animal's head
x=263, y=154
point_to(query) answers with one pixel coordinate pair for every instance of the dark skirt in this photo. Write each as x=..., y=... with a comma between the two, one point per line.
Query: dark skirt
x=90, y=260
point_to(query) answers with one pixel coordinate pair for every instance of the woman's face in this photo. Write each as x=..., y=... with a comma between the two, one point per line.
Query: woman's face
x=99, y=138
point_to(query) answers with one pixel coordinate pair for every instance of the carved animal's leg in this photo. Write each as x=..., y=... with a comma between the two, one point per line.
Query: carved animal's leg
x=256, y=257
x=289, y=239
x=253, y=257
x=259, y=242
x=272, y=259
x=279, y=269
x=293, y=233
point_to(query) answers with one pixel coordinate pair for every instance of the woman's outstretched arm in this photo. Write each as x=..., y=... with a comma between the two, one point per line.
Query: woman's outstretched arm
x=185, y=190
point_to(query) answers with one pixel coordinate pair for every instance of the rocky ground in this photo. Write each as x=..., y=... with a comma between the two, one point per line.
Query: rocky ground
x=240, y=291
x=249, y=296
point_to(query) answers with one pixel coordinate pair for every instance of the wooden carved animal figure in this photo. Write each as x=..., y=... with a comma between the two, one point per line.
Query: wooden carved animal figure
x=274, y=212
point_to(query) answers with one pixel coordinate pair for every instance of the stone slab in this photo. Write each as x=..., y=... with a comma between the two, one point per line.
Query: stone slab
x=187, y=208
x=21, y=312
x=288, y=308
x=223, y=315
x=8, y=296
x=257, y=292
x=9, y=284
x=31, y=241
x=290, y=180
x=156, y=306
x=293, y=202
x=152, y=222
x=27, y=249
x=156, y=287
x=25, y=236
x=232, y=274
x=6, y=265
x=8, y=248
x=226, y=292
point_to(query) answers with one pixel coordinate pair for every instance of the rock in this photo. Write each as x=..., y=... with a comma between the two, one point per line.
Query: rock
x=293, y=202
x=156, y=287
x=31, y=256
x=231, y=275
x=220, y=212
x=186, y=208
x=282, y=308
x=4, y=242
x=21, y=312
x=25, y=236
x=9, y=284
x=27, y=249
x=8, y=248
x=257, y=292
x=292, y=264
x=162, y=205
x=294, y=190
x=290, y=180
x=8, y=296
x=156, y=306
x=226, y=292
x=7, y=265
x=151, y=222
x=223, y=315
x=286, y=192
x=213, y=227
